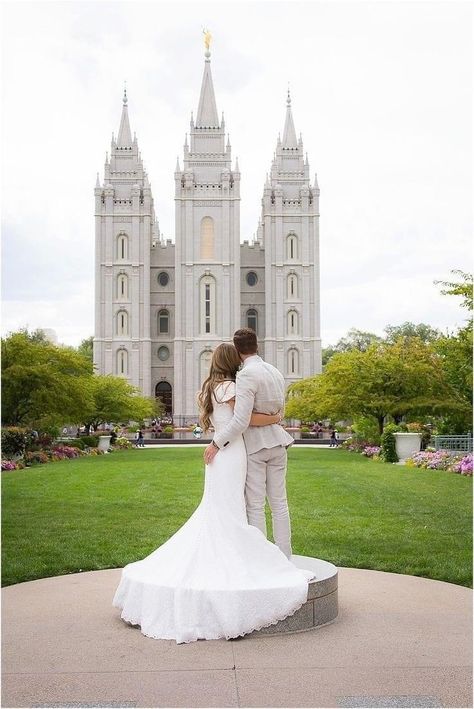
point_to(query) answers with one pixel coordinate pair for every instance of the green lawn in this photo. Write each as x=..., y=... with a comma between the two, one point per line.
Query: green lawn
x=103, y=512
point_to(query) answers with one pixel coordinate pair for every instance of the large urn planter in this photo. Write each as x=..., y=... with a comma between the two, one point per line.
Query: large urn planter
x=104, y=443
x=406, y=444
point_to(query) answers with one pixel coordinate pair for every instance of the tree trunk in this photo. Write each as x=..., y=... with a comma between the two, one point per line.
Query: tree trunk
x=380, y=421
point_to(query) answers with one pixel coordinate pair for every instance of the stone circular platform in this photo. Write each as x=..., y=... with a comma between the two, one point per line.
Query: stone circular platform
x=321, y=607
x=398, y=641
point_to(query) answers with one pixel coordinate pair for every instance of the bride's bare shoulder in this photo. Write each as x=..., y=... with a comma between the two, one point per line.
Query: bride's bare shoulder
x=224, y=391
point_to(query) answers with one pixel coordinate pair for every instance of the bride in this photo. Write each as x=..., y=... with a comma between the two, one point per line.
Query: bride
x=217, y=577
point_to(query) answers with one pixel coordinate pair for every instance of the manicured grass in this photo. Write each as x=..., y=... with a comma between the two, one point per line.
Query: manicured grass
x=103, y=512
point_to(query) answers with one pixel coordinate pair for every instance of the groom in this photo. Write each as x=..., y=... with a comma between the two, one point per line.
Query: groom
x=259, y=387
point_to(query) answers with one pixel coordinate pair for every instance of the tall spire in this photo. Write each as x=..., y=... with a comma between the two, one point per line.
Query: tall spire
x=289, y=133
x=124, y=139
x=207, y=110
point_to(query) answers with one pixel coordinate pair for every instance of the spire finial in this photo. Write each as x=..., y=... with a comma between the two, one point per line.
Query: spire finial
x=125, y=99
x=289, y=134
x=207, y=41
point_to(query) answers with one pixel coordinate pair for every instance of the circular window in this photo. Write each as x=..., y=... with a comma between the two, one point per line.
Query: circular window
x=163, y=353
x=163, y=278
x=251, y=278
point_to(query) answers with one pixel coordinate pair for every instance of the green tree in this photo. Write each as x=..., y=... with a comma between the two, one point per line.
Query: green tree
x=357, y=340
x=455, y=352
x=462, y=288
x=86, y=349
x=354, y=340
x=117, y=400
x=43, y=384
x=386, y=379
x=424, y=332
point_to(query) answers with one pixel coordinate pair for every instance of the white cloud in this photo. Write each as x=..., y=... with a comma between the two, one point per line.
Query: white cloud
x=381, y=93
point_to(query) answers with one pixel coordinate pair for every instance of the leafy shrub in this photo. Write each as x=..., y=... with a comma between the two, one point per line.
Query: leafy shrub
x=392, y=428
x=417, y=427
x=123, y=442
x=76, y=443
x=388, y=452
x=168, y=429
x=13, y=440
x=44, y=440
x=355, y=445
x=36, y=457
x=53, y=431
x=304, y=429
x=8, y=465
x=366, y=428
x=91, y=441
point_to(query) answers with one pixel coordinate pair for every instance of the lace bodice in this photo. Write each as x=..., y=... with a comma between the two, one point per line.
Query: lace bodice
x=222, y=412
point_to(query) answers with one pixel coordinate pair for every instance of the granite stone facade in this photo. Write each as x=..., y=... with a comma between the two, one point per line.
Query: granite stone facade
x=162, y=307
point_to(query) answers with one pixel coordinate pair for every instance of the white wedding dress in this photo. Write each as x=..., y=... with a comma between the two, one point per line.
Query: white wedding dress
x=217, y=577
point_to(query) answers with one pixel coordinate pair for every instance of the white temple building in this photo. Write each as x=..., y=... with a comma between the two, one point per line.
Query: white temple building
x=162, y=307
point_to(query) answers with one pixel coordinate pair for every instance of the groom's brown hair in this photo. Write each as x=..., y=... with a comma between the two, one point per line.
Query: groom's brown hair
x=245, y=341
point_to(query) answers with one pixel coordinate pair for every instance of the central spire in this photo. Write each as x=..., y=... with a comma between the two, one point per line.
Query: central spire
x=207, y=110
x=124, y=139
x=289, y=133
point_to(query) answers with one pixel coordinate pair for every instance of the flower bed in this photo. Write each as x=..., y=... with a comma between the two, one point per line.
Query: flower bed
x=354, y=445
x=39, y=457
x=442, y=460
x=371, y=451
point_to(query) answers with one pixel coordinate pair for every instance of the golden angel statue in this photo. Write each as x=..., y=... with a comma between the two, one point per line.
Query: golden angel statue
x=207, y=38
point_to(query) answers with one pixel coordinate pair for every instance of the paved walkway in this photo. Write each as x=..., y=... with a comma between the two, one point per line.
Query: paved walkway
x=398, y=641
x=314, y=446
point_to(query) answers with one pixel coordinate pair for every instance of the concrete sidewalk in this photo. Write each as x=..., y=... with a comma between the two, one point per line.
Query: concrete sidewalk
x=399, y=641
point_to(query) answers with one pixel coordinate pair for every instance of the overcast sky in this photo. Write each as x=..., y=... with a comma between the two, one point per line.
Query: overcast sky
x=381, y=92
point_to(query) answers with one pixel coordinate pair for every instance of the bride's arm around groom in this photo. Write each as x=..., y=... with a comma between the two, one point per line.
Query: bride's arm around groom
x=246, y=387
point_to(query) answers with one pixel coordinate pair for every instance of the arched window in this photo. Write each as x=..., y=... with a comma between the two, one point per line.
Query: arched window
x=204, y=364
x=122, y=286
x=208, y=305
x=122, y=246
x=292, y=247
x=122, y=322
x=293, y=362
x=122, y=362
x=207, y=238
x=292, y=322
x=163, y=322
x=292, y=286
x=252, y=319
x=164, y=392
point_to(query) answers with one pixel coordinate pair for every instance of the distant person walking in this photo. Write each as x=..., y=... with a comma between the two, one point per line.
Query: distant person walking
x=333, y=439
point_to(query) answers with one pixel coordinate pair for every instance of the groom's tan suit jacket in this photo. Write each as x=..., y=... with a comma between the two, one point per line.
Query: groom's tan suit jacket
x=259, y=387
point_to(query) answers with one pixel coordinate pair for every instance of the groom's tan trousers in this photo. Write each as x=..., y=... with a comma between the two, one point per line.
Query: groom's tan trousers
x=266, y=478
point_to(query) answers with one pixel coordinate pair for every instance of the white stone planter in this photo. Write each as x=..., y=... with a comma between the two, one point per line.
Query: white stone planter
x=104, y=443
x=406, y=444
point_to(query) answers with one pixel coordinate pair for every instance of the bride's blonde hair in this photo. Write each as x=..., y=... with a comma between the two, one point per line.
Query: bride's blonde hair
x=224, y=365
